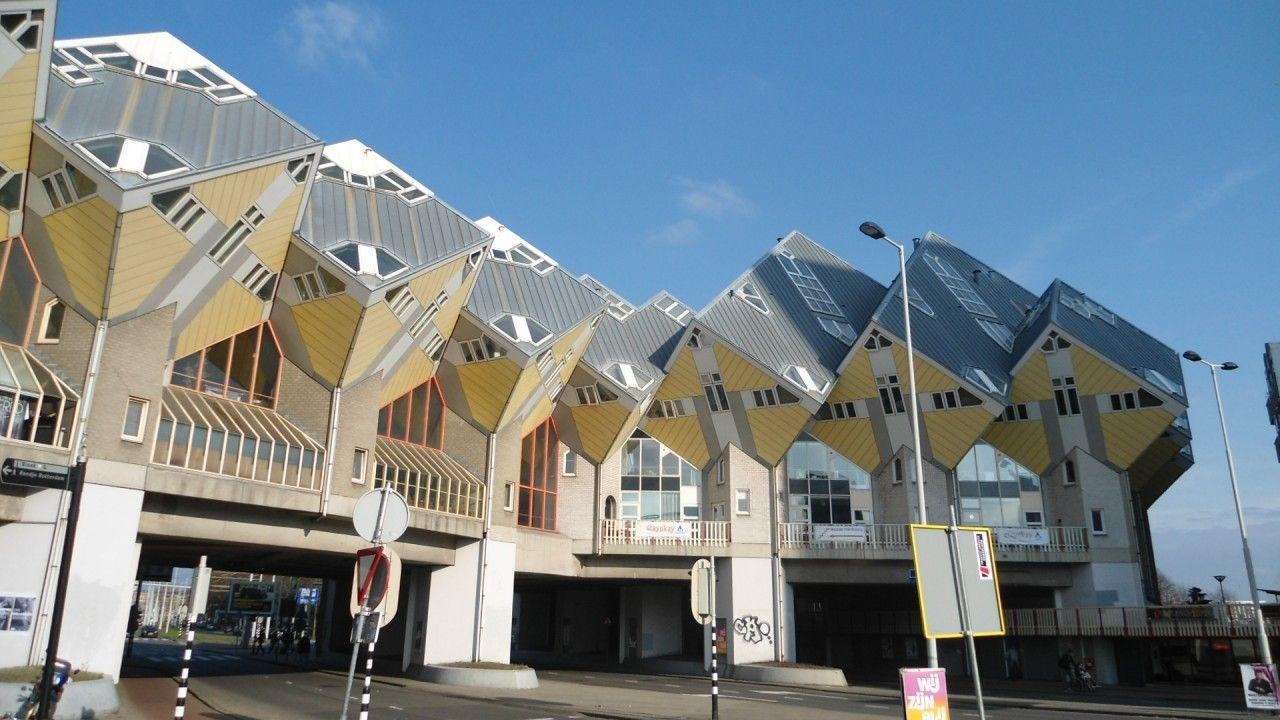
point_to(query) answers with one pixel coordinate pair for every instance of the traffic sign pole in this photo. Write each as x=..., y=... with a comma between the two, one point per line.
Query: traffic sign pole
x=368, y=683
x=76, y=486
x=384, y=492
x=715, y=674
x=965, y=627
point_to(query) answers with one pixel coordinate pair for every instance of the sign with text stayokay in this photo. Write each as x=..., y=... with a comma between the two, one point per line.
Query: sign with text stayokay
x=1023, y=535
x=664, y=529
x=924, y=694
x=34, y=474
x=976, y=565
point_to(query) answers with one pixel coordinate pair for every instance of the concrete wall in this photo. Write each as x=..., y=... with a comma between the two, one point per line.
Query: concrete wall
x=22, y=572
x=744, y=599
x=660, y=620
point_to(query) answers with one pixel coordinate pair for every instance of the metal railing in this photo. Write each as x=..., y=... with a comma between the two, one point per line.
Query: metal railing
x=865, y=537
x=1180, y=621
x=662, y=533
x=898, y=537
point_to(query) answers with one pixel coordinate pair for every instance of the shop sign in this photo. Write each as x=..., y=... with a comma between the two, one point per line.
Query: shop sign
x=1023, y=536
x=664, y=529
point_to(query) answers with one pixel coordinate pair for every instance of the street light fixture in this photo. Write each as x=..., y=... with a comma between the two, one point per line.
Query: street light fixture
x=1263, y=643
x=875, y=232
x=1221, y=593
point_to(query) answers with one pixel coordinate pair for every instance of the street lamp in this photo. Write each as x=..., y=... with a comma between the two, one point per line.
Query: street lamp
x=874, y=232
x=1221, y=593
x=1263, y=643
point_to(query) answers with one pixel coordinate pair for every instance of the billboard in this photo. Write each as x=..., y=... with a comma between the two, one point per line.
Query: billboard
x=252, y=598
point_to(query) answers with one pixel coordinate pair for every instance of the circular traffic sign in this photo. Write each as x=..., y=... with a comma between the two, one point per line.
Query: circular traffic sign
x=386, y=503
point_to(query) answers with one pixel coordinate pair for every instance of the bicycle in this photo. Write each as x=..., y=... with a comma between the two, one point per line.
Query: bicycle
x=62, y=673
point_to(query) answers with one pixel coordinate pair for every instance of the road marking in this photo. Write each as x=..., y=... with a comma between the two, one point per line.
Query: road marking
x=670, y=685
x=633, y=682
x=393, y=707
x=773, y=692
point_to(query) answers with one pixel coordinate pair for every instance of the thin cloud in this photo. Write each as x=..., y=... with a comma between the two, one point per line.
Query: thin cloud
x=1040, y=244
x=681, y=232
x=1205, y=200
x=714, y=199
x=335, y=30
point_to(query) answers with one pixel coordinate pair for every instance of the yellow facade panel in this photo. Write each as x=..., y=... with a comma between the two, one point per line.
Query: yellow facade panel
x=953, y=432
x=1024, y=441
x=857, y=381
x=1129, y=434
x=327, y=327
x=427, y=287
x=774, y=429
x=270, y=242
x=415, y=369
x=231, y=310
x=377, y=329
x=599, y=426
x=149, y=249
x=629, y=424
x=1096, y=377
x=228, y=196
x=530, y=382
x=929, y=377
x=854, y=439
x=17, y=107
x=538, y=415
x=82, y=236
x=1032, y=381
x=487, y=386
x=740, y=373
x=683, y=435
x=683, y=380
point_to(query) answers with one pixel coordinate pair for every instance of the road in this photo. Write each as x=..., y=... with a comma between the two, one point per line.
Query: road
x=228, y=684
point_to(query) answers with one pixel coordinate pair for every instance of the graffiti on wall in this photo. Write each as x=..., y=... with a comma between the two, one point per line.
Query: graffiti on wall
x=752, y=629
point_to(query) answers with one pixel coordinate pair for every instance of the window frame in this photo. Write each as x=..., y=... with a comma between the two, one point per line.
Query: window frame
x=1097, y=521
x=739, y=496
x=144, y=406
x=361, y=457
x=43, y=337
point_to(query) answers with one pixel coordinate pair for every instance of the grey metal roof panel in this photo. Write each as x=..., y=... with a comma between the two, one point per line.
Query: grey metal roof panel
x=556, y=299
x=1123, y=343
x=951, y=336
x=420, y=235
x=646, y=338
x=790, y=334
x=1037, y=319
x=203, y=133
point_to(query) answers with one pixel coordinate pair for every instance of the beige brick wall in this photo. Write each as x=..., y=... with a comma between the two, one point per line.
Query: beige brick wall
x=134, y=364
x=746, y=473
x=69, y=357
x=357, y=428
x=577, y=501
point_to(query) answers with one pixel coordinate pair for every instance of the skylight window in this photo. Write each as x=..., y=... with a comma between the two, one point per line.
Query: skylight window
x=979, y=377
x=801, y=376
x=919, y=303
x=24, y=27
x=1161, y=381
x=750, y=295
x=838, y=329
x=521, y=329
x=524, y=254
x=1087, y=308
x=389, y=181
x=997, y=331
x=628, y=376
x=364, y=259
x=618, y=308
x=673, y=308
x=810, y=287
x=959, y=286
x=70, y=62
x=69, y=70
x=121, y=154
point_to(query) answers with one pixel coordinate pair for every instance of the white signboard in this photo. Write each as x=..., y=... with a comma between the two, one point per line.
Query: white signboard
x=664, y=529
x=840, y=533
x=1023, y=536
x=1260, y=689
x=936, y=581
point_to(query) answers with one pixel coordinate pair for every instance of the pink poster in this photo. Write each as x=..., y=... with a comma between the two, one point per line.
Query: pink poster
x=924, y=694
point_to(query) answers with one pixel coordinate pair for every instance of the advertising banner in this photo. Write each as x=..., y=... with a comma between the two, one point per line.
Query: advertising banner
x=924, y=694
x=1260, y=689
x=664, y=529
x=252, y=598
x=840, y=533
x=1023, y=536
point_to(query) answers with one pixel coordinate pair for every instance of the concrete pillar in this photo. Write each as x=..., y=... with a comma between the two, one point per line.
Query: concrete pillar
x=451, y=601
x=745, y=600
x=22, y=567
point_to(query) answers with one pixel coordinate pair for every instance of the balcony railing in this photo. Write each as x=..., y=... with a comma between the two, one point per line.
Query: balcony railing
x=866, y=537
x=1216, y=620
x=898, y=537
x=663, y=533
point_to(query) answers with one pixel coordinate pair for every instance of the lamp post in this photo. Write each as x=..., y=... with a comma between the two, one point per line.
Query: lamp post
x=874, y=232
x=1222, y=594
x=1264, y=645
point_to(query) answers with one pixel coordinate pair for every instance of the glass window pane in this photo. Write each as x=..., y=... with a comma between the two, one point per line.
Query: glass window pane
x=214, y=368
x=264, y=389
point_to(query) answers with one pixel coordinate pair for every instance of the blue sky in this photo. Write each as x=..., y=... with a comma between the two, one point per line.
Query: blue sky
x=1132, y=149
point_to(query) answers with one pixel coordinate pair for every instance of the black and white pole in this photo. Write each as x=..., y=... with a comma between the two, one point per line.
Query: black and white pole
x=180, y=708
x=715, y=674
x=368, y=683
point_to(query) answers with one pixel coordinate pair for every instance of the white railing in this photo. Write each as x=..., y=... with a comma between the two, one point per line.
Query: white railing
x=1216, y=620
x=1042, y=539
x=864, y=537
x=656, y=533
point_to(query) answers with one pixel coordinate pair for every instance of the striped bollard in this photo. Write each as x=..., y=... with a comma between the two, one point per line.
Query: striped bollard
x=715, y=683
x=368, y=682
x=180, y=709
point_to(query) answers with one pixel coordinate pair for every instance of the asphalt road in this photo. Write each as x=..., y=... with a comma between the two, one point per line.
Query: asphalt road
x=235, y=685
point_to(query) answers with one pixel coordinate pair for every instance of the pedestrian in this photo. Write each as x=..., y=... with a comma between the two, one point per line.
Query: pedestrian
x=274, y=648
x=1013, y=659
x=1067, y=663
x=286, y=641
x=259, y=639
x=304, y=648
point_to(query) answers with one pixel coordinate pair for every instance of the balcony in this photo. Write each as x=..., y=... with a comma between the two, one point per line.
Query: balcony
x=661, y=537
x=893, y=542
x=1233, y=620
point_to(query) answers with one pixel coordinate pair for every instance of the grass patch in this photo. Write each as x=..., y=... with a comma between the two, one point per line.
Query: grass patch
x=201, y=637
x=31, y=673
x=799, y=666
x=487, y=666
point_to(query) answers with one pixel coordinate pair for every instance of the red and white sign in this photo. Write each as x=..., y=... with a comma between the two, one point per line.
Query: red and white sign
x=982, y=545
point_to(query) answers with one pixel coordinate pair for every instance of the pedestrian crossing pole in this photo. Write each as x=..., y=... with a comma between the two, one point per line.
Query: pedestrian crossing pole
x=715, y=675
x=368, y=682
x=180, y=709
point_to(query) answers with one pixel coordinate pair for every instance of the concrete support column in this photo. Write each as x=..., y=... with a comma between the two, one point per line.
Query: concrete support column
x=745, y=600
x=451, y=600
